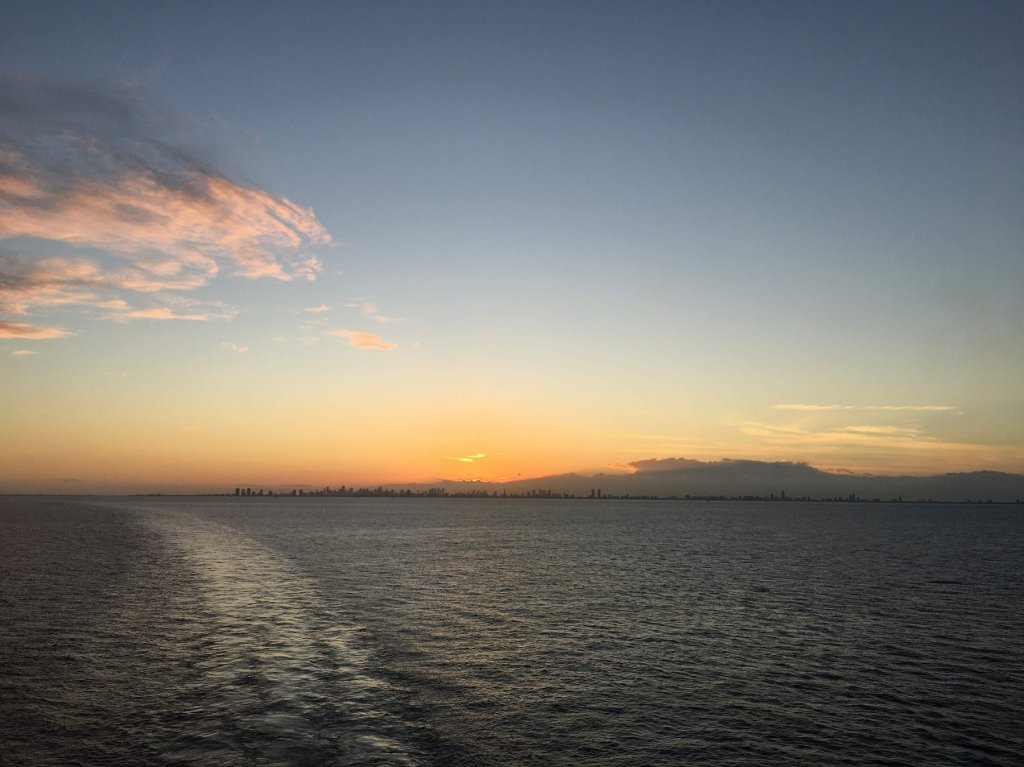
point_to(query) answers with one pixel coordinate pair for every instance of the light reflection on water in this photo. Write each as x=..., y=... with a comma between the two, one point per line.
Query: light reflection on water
x=286, y=660
x=340, y=631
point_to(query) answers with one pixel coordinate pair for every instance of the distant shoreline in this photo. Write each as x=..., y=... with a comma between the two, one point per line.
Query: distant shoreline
x=409, y=495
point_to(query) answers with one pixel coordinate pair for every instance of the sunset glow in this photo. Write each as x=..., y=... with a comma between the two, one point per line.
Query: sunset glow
x=405, y=252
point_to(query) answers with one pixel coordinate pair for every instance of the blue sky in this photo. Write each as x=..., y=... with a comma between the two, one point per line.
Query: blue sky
x=635, y=227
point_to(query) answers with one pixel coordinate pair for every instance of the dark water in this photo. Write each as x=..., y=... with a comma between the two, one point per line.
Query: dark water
x=370, y=632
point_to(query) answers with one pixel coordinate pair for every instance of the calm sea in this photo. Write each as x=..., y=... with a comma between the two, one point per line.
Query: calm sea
x=259, y=631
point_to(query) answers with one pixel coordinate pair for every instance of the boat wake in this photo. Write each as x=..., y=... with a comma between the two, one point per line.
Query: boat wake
x=280, y=680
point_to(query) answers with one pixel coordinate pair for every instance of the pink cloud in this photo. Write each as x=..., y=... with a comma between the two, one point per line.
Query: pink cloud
x=362, y=340
x=191, y=228
x=88, y=168
x=25, y=330
x=26, y=284
x=23, y=353
x=164, y=313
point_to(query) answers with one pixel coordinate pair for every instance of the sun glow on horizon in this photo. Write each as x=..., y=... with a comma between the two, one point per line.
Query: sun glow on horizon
x=498, y=268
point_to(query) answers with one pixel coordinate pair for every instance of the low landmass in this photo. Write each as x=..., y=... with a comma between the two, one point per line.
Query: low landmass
x=733, y=479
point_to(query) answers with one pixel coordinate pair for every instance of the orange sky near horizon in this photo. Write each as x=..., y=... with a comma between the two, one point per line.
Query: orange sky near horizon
x=741, y=231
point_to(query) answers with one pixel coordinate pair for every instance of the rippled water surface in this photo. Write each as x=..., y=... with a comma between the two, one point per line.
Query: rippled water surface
x=304, y=631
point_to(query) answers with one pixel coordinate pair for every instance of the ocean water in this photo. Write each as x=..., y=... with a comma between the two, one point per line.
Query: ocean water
x=260, y=631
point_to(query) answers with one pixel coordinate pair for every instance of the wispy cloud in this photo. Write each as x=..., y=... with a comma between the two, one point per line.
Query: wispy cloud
x=891, y=408
x=23, y=353
x=165, y=313
x=879, y=433
x=883, y=431
x=883, y=444
x=27, y=283
x=88, y=168
x=362, y=340
x=235, y=347
x=26, y=330
x=317, y=309
x=369, y=309
x=466, y=458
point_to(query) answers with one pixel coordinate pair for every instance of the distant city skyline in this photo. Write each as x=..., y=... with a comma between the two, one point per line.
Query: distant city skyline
x=384, y=243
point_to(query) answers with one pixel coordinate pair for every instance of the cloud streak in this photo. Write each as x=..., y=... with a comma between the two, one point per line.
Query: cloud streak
x=882, y=440
x=362, y=340
x=890, y=408
x=467, y=458
x=86, y=168
x=369, y=309
x=164, y=313
x=26, y=330
x=27, y=284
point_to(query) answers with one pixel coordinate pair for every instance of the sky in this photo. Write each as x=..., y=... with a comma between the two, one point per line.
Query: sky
x=384, y=242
